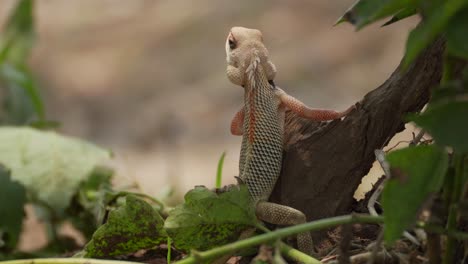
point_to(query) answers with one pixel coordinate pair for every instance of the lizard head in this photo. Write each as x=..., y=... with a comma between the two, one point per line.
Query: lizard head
x=242, y=44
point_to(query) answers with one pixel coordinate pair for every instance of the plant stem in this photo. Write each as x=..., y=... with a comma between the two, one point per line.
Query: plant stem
x=296, y=255
x=290, y=252
x=436, y=229
x=280, y=233
x=66, y=261
x=453, y=208
x=168, y=257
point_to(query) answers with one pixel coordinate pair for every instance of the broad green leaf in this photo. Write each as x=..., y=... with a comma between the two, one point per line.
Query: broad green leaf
x=402, y=14
x=457, y=34
x=133, y=226
x=12, y=199
x=364, y=12
x=434, y=23
x=416, y=172
x=208, y=219
x=50, y=166
x=447, y=123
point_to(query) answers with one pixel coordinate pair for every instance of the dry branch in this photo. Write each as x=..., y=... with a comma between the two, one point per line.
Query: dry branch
x=325, y=162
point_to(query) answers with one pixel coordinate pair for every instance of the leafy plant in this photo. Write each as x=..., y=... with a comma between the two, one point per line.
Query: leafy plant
x=131, y=226
x=22, y=103
x=12, y=211
x=420, y=172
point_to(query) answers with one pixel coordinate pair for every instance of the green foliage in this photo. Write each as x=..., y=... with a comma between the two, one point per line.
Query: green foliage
x=18, y=36
x=436, y=21
x=365, y=12
x=12, y=199
x=88, y=206
x=402, y=14
x=132, y=226
x=208, y=219
x=50, y=166
x=447, y=123
x=417, y=172
x=439, y=17
x=22, y=103
x=457, y=34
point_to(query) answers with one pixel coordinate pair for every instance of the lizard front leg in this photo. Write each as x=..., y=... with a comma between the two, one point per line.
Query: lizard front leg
x=284, y=215
x=237, y=123
x=302, y=110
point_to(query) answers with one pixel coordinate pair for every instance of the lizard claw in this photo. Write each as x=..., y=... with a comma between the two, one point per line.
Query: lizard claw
x=240, y=181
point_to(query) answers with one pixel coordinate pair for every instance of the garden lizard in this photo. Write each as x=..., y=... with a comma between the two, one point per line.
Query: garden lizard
x=261, y=124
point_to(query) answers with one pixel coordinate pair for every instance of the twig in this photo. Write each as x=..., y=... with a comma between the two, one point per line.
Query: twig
x=380, y=157
x=398, y=143
x=346, y=237
x=375, y=248
x=363, y=257
x=417, y=139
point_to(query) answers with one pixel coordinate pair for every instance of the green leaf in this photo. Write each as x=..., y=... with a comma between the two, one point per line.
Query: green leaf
x=457, y=34
x=416, y=172
x=133, y=226
x=18, y=37
x=208, y=219
x=447, y=123
x=365, y=12
x=434, y=23
x=23, y=103
x=219, y=170
x=50, y=166
x=88, y=207
x=12, y=199
x=402, y=14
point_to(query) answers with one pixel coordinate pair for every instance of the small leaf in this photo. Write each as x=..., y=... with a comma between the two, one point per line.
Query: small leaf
x=447, y=123
x=88, y=207
x=12, y=200
x=50, y=166
x=18, y=34
x=402, y=14
x=364, y=12
x=133, y=226
x=429, y=28
x=219, y=170
x=417, y=172
x=207, y=219
x=457, y=34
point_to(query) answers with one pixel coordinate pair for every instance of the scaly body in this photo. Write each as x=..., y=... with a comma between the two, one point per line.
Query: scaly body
x=261, y=124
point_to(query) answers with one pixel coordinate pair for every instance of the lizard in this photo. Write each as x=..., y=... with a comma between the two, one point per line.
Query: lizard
x=260, y=122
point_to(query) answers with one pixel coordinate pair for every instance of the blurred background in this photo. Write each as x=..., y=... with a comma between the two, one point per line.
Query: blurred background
x=146, y=78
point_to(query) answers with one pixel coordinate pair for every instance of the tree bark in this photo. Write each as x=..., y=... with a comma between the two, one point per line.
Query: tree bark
x=324, y=163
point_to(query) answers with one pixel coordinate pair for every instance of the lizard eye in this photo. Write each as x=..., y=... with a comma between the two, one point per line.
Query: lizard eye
x=232, y=44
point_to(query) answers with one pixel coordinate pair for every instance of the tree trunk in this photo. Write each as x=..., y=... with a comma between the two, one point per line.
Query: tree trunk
x=324, y=163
